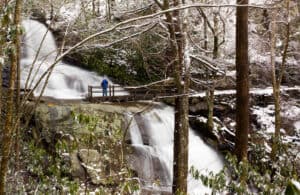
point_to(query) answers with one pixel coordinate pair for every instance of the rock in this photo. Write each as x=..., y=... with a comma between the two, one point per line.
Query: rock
x=89, y=156
x=54, y=121
x=51, y=120
x=77, y=171
x=92, y=163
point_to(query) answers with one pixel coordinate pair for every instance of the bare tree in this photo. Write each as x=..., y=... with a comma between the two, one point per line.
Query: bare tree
x=277, y=77
x=214, y=28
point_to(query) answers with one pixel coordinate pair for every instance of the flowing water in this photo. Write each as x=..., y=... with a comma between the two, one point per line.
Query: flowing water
x=152, y=139
x=151, y=132
x=39, y=49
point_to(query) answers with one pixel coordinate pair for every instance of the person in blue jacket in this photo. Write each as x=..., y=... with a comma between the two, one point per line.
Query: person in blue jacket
x=104, y=85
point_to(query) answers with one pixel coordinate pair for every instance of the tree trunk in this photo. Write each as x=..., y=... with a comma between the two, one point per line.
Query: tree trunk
x=276, y=79
x=211, y=90
x=51, y=10
x=276, y=93
x=110, y=4
x=216, y=38
x=3, y=43
x=210, y=106
x=242, y=82
x=205, y=32
x=181, y=131
x=8, y=127
x=180, y=66
x=94, y=7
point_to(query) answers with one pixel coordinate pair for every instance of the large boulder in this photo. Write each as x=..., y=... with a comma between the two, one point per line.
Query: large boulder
x=91, y=161
x=55, y=121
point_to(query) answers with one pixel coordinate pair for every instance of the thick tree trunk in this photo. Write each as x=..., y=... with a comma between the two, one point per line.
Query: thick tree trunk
x=181, y=131
x=180, y=166
x=3, y=35
x=8, y=127
x=180, y=68
x=242, y=82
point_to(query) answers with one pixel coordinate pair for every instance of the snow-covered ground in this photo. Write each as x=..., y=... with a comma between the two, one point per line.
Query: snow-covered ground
x=254, y=91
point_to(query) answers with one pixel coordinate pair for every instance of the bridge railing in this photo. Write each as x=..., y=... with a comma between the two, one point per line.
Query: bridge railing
x=133, y=91
x=112, y=90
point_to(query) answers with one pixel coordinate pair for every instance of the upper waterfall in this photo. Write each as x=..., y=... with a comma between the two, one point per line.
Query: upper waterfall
x=39, y=52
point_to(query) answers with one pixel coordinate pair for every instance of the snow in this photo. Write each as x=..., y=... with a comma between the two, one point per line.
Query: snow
x=292, y=111
x=268, y=148
x=70, y=11
x=265, y=117
x=296, y=184
x=255, y=91
x=231, y=73
x=297, y=126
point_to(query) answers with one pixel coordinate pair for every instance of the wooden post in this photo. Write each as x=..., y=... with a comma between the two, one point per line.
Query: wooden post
x=113, y=88
x=90, y=95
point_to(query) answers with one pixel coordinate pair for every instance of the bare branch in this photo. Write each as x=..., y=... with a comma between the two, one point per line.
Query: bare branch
x=144, y=18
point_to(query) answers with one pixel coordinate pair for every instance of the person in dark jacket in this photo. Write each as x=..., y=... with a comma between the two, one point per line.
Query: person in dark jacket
x=104, y=85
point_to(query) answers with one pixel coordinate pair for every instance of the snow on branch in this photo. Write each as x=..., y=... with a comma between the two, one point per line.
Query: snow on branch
x=209, y=64
x=168, y=80
x=122, y=39
x=150, y=16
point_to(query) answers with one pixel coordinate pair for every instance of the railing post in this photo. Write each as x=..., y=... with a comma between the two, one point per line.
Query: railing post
x=113, y=88
x=90, y=93
x=109, y=90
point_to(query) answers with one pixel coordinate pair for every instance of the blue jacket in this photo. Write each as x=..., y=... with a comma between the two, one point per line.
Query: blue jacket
x=104, y=84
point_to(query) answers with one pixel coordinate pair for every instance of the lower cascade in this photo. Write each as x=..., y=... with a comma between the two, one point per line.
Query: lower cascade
x=152, y=141
x=151, y=132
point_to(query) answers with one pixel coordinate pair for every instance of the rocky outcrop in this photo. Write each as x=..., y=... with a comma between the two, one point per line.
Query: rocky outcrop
x=86, y=140
x=56, y=123
x=91, y=161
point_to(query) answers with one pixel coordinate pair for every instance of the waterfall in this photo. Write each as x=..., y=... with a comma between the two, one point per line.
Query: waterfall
x=152, y=141
x=151, y=132
x=40, y=51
